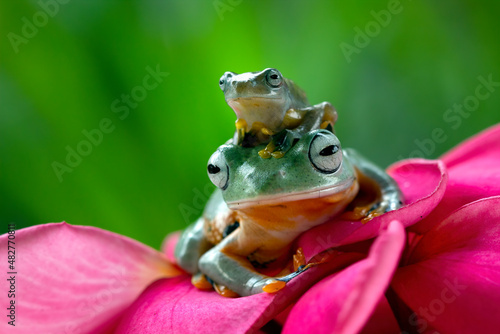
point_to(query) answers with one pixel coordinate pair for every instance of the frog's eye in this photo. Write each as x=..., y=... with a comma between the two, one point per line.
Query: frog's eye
x=218, y=171
x=274, y=78
x=325, y=153
x=224, y=79
x=222, y=82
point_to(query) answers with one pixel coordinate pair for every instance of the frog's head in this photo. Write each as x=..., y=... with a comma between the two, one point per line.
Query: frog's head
x=261, y=96
x=315, y=167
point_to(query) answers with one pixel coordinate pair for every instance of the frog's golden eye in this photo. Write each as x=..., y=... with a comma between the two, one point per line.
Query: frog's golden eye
x=274, y=78
x=218, y=171
x=324, y=153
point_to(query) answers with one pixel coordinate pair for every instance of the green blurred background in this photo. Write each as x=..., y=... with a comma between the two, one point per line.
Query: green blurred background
x=147, y=177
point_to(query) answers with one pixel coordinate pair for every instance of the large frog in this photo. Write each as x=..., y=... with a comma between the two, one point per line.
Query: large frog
x=262, y=205
x=272, y=109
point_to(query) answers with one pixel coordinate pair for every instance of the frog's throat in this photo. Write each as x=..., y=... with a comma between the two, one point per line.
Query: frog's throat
x=268, y=110
x=291, y=197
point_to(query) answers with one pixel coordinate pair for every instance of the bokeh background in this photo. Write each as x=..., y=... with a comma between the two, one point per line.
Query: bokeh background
x=64, y=71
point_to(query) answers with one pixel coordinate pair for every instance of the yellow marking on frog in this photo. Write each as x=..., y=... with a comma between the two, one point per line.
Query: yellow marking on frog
x=274, y=286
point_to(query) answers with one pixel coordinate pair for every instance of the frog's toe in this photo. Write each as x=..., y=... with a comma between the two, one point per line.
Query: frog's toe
x=266, y=152
x=284, y=142
x=225, y=291
x=201, y=282
x=273, y=285
x=299, y=259
x=327, y=125
x=386, y=205
x=376, y=210
x=297, y=272
x=282, y=147
x=278, y=154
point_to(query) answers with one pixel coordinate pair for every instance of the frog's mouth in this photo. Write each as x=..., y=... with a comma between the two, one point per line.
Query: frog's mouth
x=267, y=110
x=329, y=191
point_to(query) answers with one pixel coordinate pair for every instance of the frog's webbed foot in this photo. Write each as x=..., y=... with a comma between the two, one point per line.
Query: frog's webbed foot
x=280, y=144
x=240, y=132
x=319, y=116
x=235, y=272
x=231, y=274
x=205, y=283
x=299, y=265
x=201, y=281
x=386, y=204
x=232, y=271
x=365, y=213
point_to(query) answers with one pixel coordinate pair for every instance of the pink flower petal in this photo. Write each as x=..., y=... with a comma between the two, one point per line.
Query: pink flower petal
x=343, y=302
x=484, y=145
x=382, y=320
x=168, y=246
x=452, y=280
x=76, y=279
x=474, y=173
x=422, y=182
x=175, y=306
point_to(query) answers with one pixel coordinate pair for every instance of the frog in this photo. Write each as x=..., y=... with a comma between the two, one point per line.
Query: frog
x=260, y=206
x=272, y=109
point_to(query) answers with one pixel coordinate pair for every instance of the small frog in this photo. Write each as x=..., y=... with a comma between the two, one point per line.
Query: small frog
x=262, y=205
x=272, y=109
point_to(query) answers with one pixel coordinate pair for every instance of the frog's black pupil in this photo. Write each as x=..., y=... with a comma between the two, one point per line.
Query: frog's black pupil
x=329, y=150
x=274, y=76
x=213, y=169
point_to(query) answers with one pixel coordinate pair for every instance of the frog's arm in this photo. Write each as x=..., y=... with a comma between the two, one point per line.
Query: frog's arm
x=191, y=246
x=298, y=122
x=391, y=196
x=236, y=272
x=315, y=117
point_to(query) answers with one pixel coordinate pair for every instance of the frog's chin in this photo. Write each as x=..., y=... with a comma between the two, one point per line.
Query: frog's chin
x=340, y=190
x=266, y=110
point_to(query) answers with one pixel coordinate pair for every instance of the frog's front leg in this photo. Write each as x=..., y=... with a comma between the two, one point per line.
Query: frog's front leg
x=298, y=122
x=322, y=115
x=191, y=246
x=391, y=197
x=235, y=271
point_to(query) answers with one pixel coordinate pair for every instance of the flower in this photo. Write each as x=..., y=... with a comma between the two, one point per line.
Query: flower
x=447, y=279
x=76, y=279
x=431, y=265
